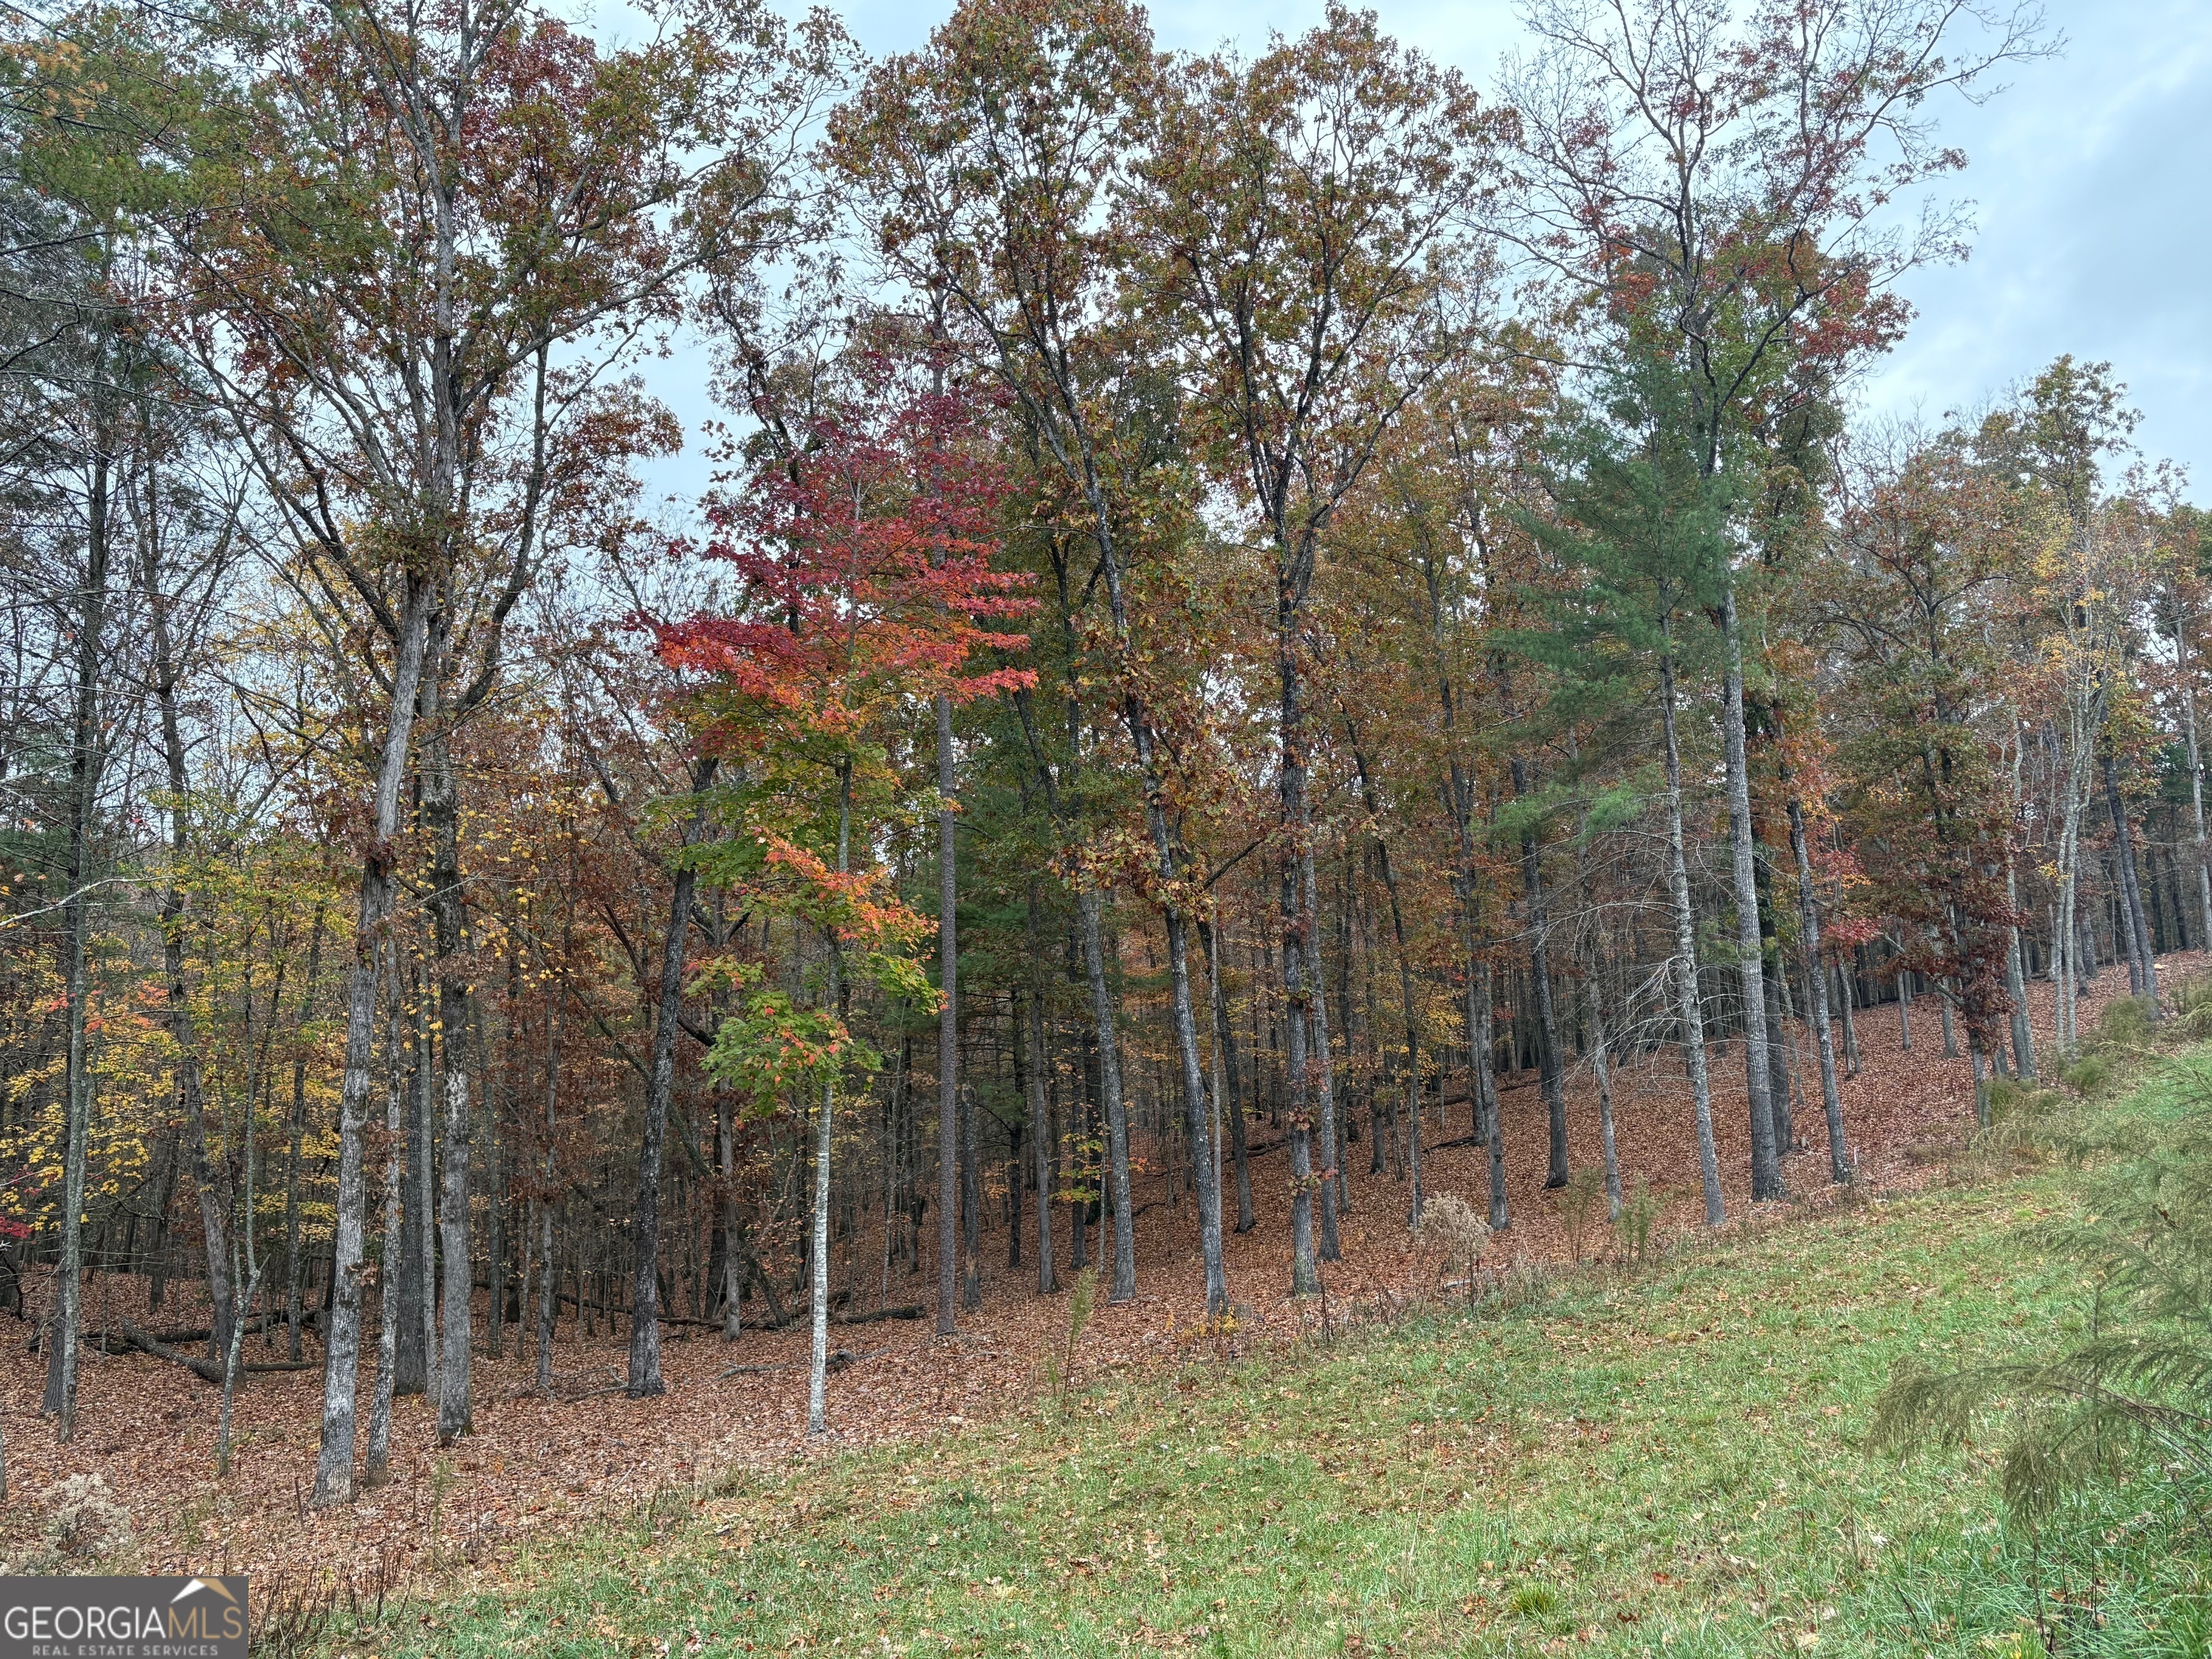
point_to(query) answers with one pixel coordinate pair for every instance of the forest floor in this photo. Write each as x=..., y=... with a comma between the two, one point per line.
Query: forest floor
x=1658, y=1461
x=536, y=1468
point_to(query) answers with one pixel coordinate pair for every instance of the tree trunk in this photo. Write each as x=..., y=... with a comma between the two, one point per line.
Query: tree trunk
x=1232, y=1099
x=1846, y=985
x=1305, y=1280
x=292, y=1281
x=1689, y=1010
x=1045, y=1133
x=2195, y=790
x=1600, y=1068
x=2123, y=854
x=85, y=767
x=210, y=1183
x=1122, y=1284
x=817, y=1368
x=644, y=1380
x=1816, y=984
x=1325, y=1081
x=423, y=1220
x=376, y=1464
x=948, y=1029
x=971, y=1205
x=1412, y=1130
x=442, y=808
x=1551, y=1072
x=1777, y=1059
x=341, y=1364
x=1765, y=1163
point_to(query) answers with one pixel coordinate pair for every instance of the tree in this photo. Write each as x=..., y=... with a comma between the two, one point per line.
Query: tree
x=1724, y=185
x=415, y=214
x=864, y=553
x=994, y=163
x=1305, y=220
x=1643, y=524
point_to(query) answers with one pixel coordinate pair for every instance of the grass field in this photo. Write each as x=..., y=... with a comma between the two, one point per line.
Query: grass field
x=1666, y=1463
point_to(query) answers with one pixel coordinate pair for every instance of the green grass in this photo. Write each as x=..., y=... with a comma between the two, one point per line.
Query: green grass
x=1669, y=1465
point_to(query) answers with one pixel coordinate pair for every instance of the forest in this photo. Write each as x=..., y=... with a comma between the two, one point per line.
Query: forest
x=1273, y=632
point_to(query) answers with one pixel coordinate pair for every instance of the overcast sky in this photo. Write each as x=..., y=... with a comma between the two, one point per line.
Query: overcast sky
x=2091, y=180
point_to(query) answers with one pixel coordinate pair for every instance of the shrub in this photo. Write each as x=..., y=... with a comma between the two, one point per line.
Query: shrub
x=1060, y=1369
x=1461, y=1234
x=2128, y=1392
x=2087, y=1075
x=86, y=1520
x=1578, y=1202
x=1639, y=1210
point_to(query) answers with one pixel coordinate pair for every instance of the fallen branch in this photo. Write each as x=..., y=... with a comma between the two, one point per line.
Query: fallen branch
x=909, y=1310
x=206, y=1370
x=837, y=1361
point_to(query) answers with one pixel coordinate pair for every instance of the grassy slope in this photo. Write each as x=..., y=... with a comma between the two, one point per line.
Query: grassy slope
x=1665, y=1465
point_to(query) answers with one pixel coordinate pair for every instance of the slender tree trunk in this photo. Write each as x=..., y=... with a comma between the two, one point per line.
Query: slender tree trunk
x=971, y=1205
x=1778, y=1056
x=2123, y=854
x=1481, y=1045
x=293, y=1264
x=376, y=1464
x=948, y=1029
x=1324, y=1080
x=1550, y=1070
x=422, y=1223
x=210, y=1183
x=1816, y=983
x=1766, y=1161
x=644, y=1380
x=2023, y=1039
x=548, y=1270
x=2187, y=667
x=1412, y=1130
x=1123, y=1282
x=1481, y=992
x=817, y=1369
x=1848, y=994
x=442, y=808
x=1044, y=1132
x=76, y=1083
x=1689, y=1010
x=1601, y=1069
x=342, y=1360
x=495, y=1211
x=1232, y=1099
x=726, y=1149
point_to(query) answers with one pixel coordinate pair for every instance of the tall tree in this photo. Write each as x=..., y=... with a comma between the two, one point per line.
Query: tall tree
x=1305, y=216
x=407, y=237
x=1720, y=178
x=993, y=162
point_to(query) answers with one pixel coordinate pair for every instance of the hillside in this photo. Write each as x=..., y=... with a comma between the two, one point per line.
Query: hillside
x=539, y=1467
x=1668, y=1463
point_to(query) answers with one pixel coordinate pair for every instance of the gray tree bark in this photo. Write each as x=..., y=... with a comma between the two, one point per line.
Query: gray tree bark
x=1689, y=1010
x=644, y=1380
x=1765, y=1162
x=1816, y=982
x=2123, y=854
x=342, y=1362
x=948, y=1029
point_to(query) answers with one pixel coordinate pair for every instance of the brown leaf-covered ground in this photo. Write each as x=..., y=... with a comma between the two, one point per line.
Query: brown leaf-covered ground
x=150, y=1428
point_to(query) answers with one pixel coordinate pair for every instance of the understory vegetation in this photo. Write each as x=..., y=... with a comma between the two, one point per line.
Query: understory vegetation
x=1677, y=1461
